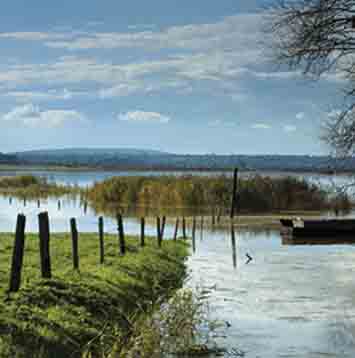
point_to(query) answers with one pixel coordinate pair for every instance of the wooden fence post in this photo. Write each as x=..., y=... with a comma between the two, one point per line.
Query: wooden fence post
x=121, y=237
x=234, y=194
x=74, y=236
x=17, y=256
x=162, y=228
x=44, y=241
x=176, y=229
x=142, y=232
x=101, y=238
x=38, y=203
x=194, y=234
x=159, y=238
x=184, y=228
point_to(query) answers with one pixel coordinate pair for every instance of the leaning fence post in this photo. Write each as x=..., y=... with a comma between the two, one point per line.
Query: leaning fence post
x=121, y=237
x=101, y=238
x=44, y=240
x=142, y=232
x=74, y=236
x=176, y=229
x=17, y=256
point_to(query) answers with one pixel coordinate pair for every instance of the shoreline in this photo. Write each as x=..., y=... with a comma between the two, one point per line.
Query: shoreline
x=87, y=169
x=65, y=315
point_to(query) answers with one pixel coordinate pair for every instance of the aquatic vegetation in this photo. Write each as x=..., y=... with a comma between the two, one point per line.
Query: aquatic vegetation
x=211, y=194
x=32, y=187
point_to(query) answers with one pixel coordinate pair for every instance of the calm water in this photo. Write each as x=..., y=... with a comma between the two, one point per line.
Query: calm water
x=289, y=301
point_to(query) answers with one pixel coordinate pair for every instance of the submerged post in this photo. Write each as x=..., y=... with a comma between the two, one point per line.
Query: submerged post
x=121, y=237
x=176, y=229
x=234, y=194
x=142, y=232
x=194, y=234
x=74, y=236
x=101, y=238
x=202, y=223
x=17, y=255
x=44, y=241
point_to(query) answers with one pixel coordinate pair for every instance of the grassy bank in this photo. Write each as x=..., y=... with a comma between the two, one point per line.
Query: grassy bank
x=31, y=187
x=86, y=312
x=212, y=194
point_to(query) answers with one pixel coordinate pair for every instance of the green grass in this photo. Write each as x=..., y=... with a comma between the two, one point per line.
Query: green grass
x=78, y=312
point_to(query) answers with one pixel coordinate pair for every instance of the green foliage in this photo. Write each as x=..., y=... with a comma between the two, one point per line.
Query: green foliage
x=256, y=194
x=83, y=313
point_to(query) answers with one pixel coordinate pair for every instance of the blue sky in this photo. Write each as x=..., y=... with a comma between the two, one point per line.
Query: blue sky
x=179, y=76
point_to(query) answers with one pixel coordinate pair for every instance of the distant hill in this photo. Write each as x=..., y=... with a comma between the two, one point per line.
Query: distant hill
x=7, y=158
x=141, y=159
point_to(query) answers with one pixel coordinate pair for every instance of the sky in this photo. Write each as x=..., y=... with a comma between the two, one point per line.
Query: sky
x=178, y=76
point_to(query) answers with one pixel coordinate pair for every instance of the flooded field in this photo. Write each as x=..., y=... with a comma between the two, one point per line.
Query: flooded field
x=288, y=301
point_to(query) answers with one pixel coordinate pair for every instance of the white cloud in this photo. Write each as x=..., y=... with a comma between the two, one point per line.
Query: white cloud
x=31, y=115
x=289, y=128
x=261, y=126
x=37, y=96
x=300, y=116
x=142, y=116
x=222, y=52
x=227, y=33
x=35, y=36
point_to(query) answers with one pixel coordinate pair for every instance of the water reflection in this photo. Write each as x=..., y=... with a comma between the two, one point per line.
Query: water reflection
x=319, y=240
x=290, y=301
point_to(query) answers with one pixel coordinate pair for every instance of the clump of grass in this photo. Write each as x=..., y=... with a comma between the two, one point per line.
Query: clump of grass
x=77, y=313
x=32, y=187
x=181, y=327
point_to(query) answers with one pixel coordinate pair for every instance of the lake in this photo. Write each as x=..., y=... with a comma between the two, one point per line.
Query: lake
x=289, y=301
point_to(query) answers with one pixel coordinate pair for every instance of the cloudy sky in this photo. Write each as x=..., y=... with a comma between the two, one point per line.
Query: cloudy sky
x=180, y=76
